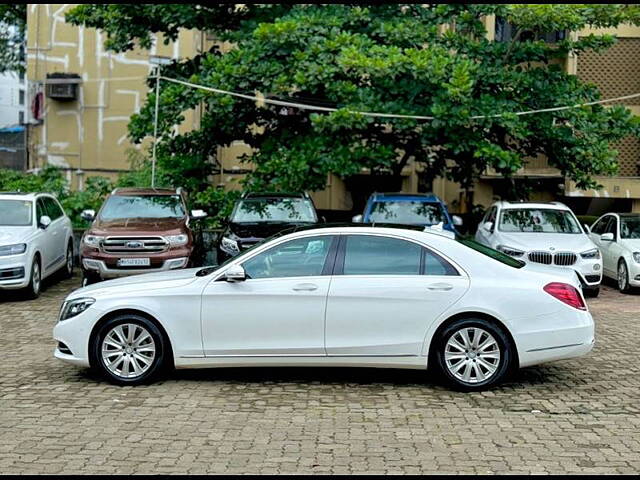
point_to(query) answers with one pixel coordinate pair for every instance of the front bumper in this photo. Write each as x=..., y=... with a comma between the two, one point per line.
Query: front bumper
x=633, y=268
x=105, y=272
x=14, y=272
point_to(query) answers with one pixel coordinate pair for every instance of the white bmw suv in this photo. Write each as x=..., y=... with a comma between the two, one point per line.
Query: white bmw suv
x=36, y=241
x=543, y=233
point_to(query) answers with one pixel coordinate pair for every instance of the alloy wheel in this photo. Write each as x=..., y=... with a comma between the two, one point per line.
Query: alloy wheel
x=128, y=350
x=70, y=261
x=622, y=276
x=36, y=278
x=472, y=355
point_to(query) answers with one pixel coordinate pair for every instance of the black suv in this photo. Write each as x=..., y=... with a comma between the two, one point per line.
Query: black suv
x=257, y=216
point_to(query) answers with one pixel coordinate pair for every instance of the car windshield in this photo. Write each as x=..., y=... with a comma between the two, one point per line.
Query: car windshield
x=491, y=253
x=253, y=210
x=142, y=206
x=407, y=212
x=630, y=227
x=538, y=220
x=15, y=213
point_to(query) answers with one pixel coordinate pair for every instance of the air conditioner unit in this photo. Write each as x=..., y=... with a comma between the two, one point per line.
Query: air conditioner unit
x=63, y=86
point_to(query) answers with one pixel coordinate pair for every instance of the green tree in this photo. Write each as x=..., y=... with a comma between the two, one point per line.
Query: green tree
x=13, y=19
x=389, y=58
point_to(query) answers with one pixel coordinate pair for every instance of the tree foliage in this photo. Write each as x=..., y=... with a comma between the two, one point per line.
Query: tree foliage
x=13, y=20
x=390, y=58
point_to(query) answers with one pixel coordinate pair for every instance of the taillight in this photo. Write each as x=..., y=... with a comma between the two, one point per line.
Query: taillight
x=566, y=293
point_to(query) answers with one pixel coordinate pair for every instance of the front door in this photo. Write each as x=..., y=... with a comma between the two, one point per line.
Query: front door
x=279, y=309
x=385, y=294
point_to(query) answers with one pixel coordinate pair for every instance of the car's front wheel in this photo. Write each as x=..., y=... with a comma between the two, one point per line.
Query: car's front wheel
x=591, y=292
x=623, y=277
x=129, y=350
x=35, y=280
x=473, y=354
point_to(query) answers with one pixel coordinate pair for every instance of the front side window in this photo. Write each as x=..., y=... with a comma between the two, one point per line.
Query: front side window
x=630, y=227
x=16, y=213
x=407, y=212
x=253, y=210
x=374, y=255
x=52, y=208
x=142, y=206
x=538, y=220
x=600, y=227
x=302, y=257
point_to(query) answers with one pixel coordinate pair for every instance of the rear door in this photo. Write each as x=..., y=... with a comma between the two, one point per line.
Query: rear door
x=384, y=294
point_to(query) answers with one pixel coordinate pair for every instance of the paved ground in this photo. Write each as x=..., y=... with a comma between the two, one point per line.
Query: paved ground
x=580, y=416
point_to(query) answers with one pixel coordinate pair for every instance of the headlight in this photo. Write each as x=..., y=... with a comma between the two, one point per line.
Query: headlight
x=92, y=240
x=17, y=249
x=512, y=252
x=75, y=307
x=591, y=254
x=178, y=240
x=229, y=246
x=636, y=256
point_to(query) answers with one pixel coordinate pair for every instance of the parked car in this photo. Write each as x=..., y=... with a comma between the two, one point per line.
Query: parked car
x=408, y=209
x=544, y=233
x=36, y=241
x=339, y=296
x=617, y=235
x=137, y=230
x=257, y=216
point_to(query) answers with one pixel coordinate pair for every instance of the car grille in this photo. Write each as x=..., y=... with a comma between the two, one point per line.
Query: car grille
x=541, y=257
x=562, y=259
x=134, y=245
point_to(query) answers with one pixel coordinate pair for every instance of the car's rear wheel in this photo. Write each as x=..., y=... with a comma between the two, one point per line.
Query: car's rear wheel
x=623, y=277
x=68, y=265
x=35, y=280
x=473, y=354
x=129, y=350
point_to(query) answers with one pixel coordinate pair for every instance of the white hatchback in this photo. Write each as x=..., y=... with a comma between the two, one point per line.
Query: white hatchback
x=337, y=296
x=618, y=237
x=36, y=241
x=546, y=234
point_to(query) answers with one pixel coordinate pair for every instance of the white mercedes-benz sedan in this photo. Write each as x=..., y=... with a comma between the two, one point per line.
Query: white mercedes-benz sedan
x=337, y=296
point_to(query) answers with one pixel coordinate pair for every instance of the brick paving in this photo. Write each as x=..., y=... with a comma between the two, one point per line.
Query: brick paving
x=577, y=417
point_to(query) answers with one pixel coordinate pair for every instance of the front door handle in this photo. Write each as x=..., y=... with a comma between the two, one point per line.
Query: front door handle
x=443, y=287
x=305, y=287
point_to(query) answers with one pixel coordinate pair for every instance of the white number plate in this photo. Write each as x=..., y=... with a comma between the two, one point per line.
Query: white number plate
x=134, y=262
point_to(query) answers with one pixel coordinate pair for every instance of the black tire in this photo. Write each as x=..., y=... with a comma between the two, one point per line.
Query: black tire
x=33, y=290
x=158, y=363
x=89, y=278
x=504, y=365
x=626, y=288
x=591, y=292
x=67, y=270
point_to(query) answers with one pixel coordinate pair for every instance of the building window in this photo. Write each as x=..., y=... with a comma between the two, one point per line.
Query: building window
x=21, y=75
x=21, y=101
x=505, y=32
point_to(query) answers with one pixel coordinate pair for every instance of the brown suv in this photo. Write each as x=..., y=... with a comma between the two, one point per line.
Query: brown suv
x=137, y=230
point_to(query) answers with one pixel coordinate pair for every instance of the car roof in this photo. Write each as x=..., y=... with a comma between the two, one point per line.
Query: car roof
x=145, y=191
x=627, y=214
x=429, y=197
x=21, y=195
x=539, y=205
x=274, y=195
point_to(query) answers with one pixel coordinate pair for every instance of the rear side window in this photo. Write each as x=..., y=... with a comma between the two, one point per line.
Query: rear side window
x=490, y=252
x=376, y=255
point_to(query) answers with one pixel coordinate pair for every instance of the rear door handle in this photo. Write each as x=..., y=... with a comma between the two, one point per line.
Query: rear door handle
x=305, y=287
x=443, y=287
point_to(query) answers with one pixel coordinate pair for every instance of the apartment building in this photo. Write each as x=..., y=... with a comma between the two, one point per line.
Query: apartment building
x=81, y=97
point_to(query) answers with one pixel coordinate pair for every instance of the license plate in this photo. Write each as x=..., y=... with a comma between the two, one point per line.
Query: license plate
x=134, y=262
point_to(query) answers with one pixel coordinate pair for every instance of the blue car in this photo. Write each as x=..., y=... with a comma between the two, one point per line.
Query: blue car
x=408, y=209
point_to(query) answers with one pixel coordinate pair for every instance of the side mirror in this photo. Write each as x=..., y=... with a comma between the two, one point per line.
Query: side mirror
x=457, y=221
x=88, y=215
x=45, y=221
x=235, y=273
x=198, y=214
x=357, y=219
x=607, y=237
x=323, y=219
x=488, y=226
x=587, y=228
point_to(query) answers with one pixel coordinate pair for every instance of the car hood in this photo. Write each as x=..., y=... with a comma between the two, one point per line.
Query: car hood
x=560, y=242
x=137, y=283
x=11, y=235
x=144, y=226
x=260, y=230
